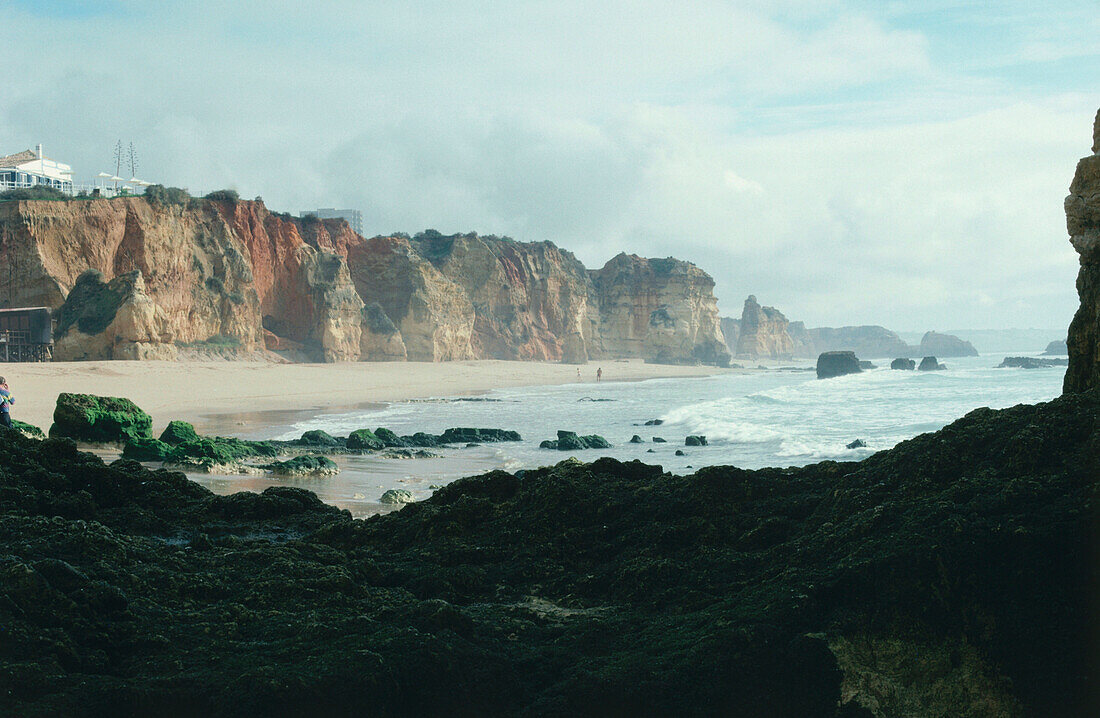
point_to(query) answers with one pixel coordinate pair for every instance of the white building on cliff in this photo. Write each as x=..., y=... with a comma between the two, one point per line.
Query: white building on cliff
x=30, y=168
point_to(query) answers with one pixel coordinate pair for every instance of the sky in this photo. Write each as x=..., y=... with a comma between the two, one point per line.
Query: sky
x=848, y=162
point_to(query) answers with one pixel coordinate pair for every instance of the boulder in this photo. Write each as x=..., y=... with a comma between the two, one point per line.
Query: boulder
x=146, y=449
x=316, y=437
x=866, y=365
x=659, y=440
x=831, y=364
x=178, y=432
x=930, y=364
x=571, y=441
x=397, y=496
x=857, y=444
x=305, y=465
x=389, y=438
x=99, y=419
x=680, y=452
x=364, y=440
x=904, y=364
x=695, y=441
x=654, y=422
x=635, y=439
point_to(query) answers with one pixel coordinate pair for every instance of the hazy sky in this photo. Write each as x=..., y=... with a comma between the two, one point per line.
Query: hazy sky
x=896, y=163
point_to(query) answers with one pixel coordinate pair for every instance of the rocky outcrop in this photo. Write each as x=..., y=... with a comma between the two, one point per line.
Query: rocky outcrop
x=952, y=575
x=663, y=310
x=1083, y=223
x=831, y=364
x=873, y=342
x=763, y=333
x=946, y=345
x=1031, y=363
x=1056, y=348
x=903, y=364
x=930, y=363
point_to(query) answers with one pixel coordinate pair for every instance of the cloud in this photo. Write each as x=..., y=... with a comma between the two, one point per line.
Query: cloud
x=849, y=162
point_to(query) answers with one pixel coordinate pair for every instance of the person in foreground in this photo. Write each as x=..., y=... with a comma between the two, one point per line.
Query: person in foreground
x=6, y=400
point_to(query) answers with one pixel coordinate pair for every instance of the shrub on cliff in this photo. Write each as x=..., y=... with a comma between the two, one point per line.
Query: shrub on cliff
x=224, y=195
x=159, y=194
x=36, y=192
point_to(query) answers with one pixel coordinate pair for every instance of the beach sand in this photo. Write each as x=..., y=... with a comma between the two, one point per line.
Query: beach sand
x=198, y=390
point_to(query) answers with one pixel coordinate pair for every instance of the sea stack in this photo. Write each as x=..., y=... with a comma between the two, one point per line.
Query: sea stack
x=830, y=364
x=1083, y=223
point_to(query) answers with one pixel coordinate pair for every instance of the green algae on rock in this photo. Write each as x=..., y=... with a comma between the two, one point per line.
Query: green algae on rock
x=304, y=465
x=28, y=430
x=99, y=419
x=397, y=496
x=365, y=439
x=178, y=432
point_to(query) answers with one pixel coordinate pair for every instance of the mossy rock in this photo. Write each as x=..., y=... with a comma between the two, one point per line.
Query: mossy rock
x=305, y=465
x=146, y=449
x=397, y=496
x=178, y=432
x=389, y=438
x=28, y=430
x=316, y=437
x=219, y=451
x=99, y=419
x=366, y=440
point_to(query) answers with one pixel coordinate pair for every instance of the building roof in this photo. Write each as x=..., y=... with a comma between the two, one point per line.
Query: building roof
x=18, y=158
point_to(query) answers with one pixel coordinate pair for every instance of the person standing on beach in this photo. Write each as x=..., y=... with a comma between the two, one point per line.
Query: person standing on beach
x=6, y=400
x=599, y=374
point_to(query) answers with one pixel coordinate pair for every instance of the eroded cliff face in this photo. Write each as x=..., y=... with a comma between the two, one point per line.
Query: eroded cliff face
x=663, y=310
x=205, y=272
x=1083, y=223
x=233, y=276
x=764, y=332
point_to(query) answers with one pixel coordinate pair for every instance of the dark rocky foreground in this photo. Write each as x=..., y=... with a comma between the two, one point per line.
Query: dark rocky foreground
x=952, y=575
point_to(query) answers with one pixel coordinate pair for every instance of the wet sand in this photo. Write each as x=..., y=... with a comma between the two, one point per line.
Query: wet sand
x=217, y=395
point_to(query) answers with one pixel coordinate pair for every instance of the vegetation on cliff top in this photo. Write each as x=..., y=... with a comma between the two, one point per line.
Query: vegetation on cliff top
x=953, y=573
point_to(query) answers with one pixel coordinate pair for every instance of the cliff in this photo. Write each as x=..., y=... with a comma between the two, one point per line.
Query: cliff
x=731, y=331
x=867, y=342
x=763, y=332
x=663, y=310
x=232, y=277
x=1083, y=224
x=945, y=345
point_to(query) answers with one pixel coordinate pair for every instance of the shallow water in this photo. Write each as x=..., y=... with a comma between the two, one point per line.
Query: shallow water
x=751, y=419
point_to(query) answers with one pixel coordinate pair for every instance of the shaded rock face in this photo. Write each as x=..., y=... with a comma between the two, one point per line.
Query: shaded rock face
x=946, y=345
x=870, y=341
x=763, y=332
x=659, y=309
x=801, y=339
x=830, y=364
x=1083, y=224
x=380, y=340
x=903, y=584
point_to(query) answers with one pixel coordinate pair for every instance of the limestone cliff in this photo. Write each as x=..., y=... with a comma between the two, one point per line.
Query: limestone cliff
x=1083, y=223
x=228, y=275
x=763, y=332
x=731, y=332
x=661, y=309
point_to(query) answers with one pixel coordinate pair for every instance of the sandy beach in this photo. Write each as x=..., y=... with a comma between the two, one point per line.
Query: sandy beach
x=196, y=389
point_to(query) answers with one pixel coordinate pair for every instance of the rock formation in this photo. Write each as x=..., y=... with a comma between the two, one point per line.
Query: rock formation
x=663, y=310
x=731, y=332
x=763, y=332
x=946, y=345
x=830, y=364
x=866, y=341
x=803, y=343
x=930, y=363
x=1083, y=223
x=228, y=275
x=904, y=364
x=1056, y=348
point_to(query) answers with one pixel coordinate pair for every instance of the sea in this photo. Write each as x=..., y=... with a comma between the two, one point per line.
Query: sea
x=751, y=419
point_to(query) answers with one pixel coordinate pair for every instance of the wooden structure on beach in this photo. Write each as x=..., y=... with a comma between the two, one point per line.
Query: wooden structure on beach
x=26, y=334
